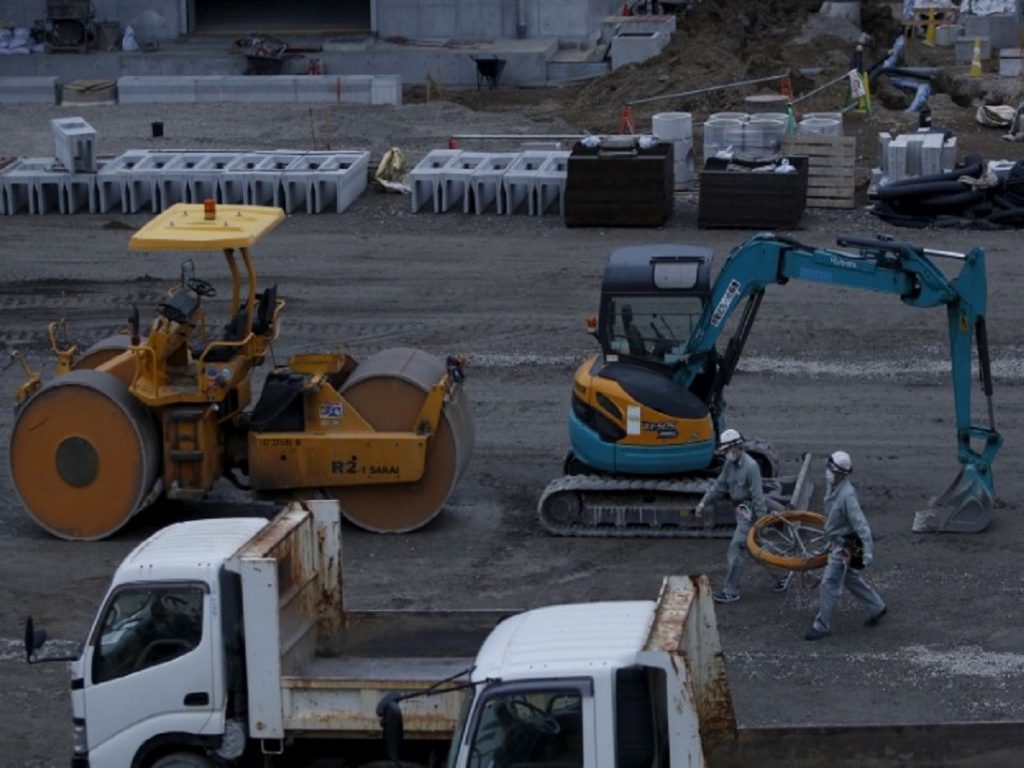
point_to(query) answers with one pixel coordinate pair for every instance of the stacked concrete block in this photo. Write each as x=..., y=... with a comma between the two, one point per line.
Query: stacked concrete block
x=910, y=155
x=111, y=186
x=216, y=89
x=520, y=179
x=428, y=175
x=549, y=184
x=456, y=179
x=75, y=142
x=485, y=186
x=204, y=178
x=143, y=182
x=1002, y=30
x=341, y=184
x=1009, y=62
x=963, y=49
x=29, y=90
x=20, y=182
x=78, y=191
x=265, y=180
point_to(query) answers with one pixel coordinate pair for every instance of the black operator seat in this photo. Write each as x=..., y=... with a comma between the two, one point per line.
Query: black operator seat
x=235, y=329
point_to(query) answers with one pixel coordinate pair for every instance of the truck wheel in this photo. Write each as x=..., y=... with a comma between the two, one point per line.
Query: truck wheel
x=793, y=541
x=182, y=760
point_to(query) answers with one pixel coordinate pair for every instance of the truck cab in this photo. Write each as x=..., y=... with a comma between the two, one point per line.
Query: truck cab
x=158, y=646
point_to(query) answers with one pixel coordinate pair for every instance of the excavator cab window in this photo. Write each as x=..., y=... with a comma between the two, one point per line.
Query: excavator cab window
x=655, y=328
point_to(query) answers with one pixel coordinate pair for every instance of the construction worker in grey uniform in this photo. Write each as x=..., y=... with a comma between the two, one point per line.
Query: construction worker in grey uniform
x=851, y=550
x=740, y=480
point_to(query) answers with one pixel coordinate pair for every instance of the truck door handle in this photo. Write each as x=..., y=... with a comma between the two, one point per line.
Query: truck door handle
x=197, y=699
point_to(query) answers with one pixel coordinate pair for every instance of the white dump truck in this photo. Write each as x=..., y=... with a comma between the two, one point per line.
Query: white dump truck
x=224, y=641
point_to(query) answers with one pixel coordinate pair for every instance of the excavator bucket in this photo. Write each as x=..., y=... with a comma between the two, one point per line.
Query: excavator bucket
x=965, y=507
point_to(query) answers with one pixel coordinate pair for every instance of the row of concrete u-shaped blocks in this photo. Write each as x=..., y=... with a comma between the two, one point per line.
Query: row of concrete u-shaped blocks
x=144, y=180
x=474, y=181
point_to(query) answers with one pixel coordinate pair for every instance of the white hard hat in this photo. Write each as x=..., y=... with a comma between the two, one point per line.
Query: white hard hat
x=840, y=462
x=728, y=439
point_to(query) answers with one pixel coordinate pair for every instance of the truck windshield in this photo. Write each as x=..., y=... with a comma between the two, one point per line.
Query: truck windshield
x=143, y=627
x=654, y=327
x=524, y=728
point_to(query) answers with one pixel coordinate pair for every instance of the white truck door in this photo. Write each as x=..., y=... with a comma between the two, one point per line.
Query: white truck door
x=149, y=669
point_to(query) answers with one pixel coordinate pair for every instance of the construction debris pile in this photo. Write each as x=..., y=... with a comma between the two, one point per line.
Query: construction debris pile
x=974, y=194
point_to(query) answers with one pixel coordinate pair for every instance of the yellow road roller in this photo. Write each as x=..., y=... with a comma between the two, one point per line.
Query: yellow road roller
x=166, y=413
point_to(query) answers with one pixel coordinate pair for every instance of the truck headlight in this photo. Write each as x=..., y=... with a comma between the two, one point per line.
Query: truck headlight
x=79, y=742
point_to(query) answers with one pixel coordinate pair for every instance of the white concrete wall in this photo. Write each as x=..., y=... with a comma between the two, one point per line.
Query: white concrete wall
x=490, y=19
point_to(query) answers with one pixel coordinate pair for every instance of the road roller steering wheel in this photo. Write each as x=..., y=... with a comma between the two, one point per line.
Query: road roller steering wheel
x=173, y=314
x=201, y=287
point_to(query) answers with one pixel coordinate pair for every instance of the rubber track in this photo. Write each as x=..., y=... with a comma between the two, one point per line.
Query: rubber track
x=597, y=483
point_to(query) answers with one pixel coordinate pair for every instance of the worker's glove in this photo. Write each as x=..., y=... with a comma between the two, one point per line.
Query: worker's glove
x=744, y=513
x=699, y=510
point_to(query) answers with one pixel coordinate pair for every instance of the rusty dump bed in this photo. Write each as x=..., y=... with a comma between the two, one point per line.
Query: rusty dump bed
x=314, y=668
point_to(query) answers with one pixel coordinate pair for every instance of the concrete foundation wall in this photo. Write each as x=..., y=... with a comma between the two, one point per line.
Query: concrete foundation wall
x=23, y=13
x=571, y=20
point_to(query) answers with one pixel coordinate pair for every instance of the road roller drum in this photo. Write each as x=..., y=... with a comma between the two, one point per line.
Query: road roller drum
x=84, y=455
x=388, y=389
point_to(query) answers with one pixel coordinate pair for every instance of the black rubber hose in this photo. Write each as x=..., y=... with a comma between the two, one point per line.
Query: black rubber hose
x=957, y=201
x=920, y=189
x=1008, y=216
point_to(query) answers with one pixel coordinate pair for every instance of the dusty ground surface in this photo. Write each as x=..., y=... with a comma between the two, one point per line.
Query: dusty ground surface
x=824, y=369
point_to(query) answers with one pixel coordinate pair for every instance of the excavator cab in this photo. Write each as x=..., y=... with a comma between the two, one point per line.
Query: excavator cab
x=629, y=413
x=652, y=296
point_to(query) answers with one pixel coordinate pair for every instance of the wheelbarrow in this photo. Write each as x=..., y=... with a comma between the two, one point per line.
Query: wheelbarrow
x=488, y=68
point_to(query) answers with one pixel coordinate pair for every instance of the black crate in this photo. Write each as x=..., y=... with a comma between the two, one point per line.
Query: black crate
x=748, y=199
x=619, y=187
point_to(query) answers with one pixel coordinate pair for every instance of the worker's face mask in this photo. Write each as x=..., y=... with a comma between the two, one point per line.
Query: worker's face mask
x=830, y=476
x=733, y=454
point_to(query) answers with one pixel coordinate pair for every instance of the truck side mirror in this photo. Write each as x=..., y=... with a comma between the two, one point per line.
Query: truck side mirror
x=390, y=714
x=34, y=639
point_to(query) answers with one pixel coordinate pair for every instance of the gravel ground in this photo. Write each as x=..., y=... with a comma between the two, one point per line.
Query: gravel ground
x=824, y=369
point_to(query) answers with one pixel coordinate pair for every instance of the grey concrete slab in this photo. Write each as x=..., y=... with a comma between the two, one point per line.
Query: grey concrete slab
x=159, y=89
x=549, y=184
x=143, y=182
x=29, y=89
x=456, y=177
x=519, y=181
x=112, y=181
x=20, y=179
x=75, y=144
x=78, y=192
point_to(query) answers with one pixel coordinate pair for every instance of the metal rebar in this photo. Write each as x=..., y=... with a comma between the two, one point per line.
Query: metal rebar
x=707, y=90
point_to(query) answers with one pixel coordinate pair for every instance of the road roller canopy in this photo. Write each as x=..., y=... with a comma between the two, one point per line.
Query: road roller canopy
x=206, y=227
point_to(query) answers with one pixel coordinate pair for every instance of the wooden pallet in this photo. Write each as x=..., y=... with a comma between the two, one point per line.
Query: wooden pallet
x=831, y=172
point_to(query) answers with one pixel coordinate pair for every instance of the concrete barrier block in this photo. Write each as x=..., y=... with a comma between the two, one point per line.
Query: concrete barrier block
x=19, y=181
x=386, y=89
x=519, y=180
x=240, y=88
x=156, y=89
x=456, y=178
x=174, y=177
x=142, y=187
x=485, y=187
x=79, y=193
x=48, y=187
x=205, y=176
x=549, y=184
x=233, y=185
x=111, y=181
x=265, y=179
x=425, y=178
x=75, y=144
x=29, y=90
x=344, y=183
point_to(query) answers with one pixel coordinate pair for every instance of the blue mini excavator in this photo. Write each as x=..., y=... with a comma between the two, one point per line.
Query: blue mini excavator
x=647, y=409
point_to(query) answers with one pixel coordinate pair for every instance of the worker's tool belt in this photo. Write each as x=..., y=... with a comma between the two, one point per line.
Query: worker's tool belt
x=854, y=546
